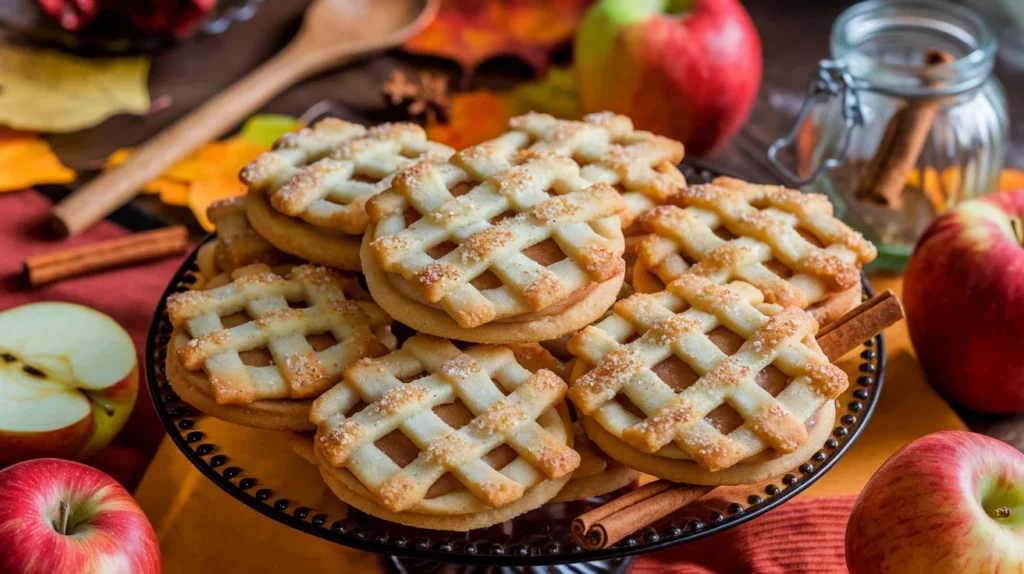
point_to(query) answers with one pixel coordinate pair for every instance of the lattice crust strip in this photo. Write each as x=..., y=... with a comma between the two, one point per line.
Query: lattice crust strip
x=766, y=221
x=676, y=321
x=298, y=371
x=237, y=243
x=325, y=174
x=548, y=199
x=610, y=151
x=446, y=374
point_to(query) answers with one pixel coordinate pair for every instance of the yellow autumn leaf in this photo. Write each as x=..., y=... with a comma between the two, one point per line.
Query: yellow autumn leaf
x=27, y=160
x=50, y=91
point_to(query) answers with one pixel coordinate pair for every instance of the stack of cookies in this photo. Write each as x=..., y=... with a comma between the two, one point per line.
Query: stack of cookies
x=689, y=355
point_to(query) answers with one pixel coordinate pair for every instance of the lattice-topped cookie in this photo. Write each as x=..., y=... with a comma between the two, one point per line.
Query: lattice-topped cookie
x=639, y=164
x=470, y=253
x=403, y=392
x=784, y=242
x=237, y=244
x=309, y=192
x=624, y=354
x=280, y=314
x=326, y=179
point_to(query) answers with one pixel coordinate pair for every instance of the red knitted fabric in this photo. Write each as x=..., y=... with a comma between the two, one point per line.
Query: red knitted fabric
x=804, y=535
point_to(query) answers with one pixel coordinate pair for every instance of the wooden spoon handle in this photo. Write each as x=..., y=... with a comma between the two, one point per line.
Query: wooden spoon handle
x=113, y=188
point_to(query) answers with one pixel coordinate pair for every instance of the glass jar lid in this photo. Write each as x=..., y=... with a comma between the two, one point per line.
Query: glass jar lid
x=883, y=45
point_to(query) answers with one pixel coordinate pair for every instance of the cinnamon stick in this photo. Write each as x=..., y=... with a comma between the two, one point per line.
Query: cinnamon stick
x=607, y=524
x=886, y=174
x=92, y=257
x=860, y=324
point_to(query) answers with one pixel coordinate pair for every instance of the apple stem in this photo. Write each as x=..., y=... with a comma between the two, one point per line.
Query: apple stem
x=109, y=410
x=63, y=517
x=1018, y=229
x=1000, y=512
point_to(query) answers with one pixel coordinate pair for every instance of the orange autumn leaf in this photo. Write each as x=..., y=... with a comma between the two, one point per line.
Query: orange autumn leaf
x=470, y=31
x=203, y=192
x=27, y=160
x=158, y=186
x=211, y=172
x=475, y=117
x=215, y=159
x=481, y=115
x=1011, y=179
x=171, y=192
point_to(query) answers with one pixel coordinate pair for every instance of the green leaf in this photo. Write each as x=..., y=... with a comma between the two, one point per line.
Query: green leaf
x=264, y=129
x=554, y=94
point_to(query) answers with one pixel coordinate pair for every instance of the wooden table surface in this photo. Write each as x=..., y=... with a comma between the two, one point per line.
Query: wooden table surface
x=794, y=35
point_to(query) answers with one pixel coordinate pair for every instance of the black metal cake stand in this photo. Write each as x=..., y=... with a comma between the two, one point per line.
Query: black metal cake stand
x=285, y=488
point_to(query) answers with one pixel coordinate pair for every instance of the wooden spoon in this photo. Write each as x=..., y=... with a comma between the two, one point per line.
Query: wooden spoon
x=333, y=32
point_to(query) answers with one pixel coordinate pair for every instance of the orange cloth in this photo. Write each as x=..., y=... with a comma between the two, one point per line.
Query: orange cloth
x=202, y=529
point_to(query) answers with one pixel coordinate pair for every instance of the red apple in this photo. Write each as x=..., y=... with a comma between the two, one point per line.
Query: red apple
x=68, y=381
x=964, y=297
x=63, y=516
x=688, y=69
x=949, y=503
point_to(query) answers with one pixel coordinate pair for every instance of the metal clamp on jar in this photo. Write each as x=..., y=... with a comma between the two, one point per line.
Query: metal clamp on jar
x=903, y=122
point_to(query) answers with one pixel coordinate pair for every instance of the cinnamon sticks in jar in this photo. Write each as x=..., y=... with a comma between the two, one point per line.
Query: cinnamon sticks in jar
x=905, y=136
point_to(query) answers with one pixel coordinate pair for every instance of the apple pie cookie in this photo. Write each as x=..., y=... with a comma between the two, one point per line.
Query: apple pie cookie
x=258, y=350
x=640, y=165
x=786, y=243
x=307, y=196
x=437, y=437
x=597, y=474
x=236, y=245
x=493, y=248
x=696, y=384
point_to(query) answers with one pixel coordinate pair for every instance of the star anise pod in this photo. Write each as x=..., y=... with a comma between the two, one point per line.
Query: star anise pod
x=428, y=97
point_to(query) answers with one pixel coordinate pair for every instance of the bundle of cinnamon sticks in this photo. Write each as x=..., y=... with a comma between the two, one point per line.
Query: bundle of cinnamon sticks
x=604, y=526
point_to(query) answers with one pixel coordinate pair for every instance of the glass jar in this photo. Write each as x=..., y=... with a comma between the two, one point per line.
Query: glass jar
x=878, y=70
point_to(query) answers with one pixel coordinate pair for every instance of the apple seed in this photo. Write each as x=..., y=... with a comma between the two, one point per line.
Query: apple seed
x=8, y=357
x=33, y=371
